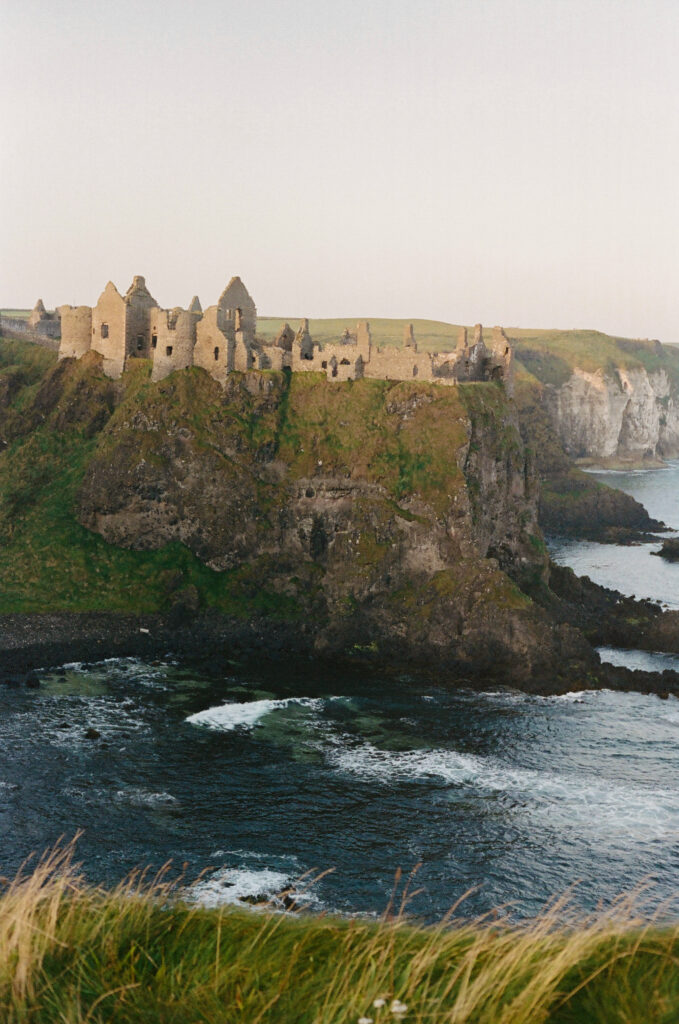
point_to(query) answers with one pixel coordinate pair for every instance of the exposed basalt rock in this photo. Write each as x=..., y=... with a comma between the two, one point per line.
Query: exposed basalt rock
x=669, y=550
x=607, y=617
x=391, y=514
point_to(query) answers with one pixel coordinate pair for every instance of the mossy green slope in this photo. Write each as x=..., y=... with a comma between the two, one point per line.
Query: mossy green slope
x=53, y=431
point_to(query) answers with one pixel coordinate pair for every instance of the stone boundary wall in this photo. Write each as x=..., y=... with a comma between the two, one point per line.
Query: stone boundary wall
x=46, y=333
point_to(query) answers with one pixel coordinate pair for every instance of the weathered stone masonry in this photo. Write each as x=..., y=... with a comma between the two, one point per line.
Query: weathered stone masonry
x=223, y=339
x=41, y=328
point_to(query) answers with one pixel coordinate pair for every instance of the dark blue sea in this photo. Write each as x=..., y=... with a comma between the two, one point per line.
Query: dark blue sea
x=249, y=782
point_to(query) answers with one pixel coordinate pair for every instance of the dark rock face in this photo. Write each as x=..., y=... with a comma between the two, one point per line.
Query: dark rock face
x=391, y=524
x=571, y=503
x=669, y=550
x=394, y=518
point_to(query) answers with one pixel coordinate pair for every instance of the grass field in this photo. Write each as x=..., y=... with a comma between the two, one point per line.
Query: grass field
x=74, y=954
x=431, y=335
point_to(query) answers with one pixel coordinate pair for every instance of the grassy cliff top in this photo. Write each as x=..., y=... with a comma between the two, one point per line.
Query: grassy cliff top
x=73, y=953
x=20, y=314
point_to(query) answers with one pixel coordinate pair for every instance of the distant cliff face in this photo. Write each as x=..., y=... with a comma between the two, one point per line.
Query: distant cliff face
x=607, y=398
x=626, y=413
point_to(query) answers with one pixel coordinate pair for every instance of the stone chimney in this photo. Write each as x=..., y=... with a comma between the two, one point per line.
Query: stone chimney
x=409, y=337
x=304, y=340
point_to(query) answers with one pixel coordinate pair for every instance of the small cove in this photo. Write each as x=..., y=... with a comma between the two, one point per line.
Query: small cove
x=255, y=779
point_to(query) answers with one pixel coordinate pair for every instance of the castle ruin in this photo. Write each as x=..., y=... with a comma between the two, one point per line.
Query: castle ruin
x=223, y=339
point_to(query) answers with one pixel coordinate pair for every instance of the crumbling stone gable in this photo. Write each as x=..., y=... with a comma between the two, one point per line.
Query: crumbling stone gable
x=285, y=338
x=138, y=306
x=235, y=301
x=38, y=313
x=214, y=349
x=108, y=330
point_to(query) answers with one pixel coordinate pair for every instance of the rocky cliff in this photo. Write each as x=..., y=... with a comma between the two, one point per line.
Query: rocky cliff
x=610, y=400
x=572, y=503
x=626, y=414
x=384, y=520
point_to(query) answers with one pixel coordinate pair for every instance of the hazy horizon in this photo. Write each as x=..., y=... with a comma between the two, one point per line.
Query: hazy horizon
x=504, y=161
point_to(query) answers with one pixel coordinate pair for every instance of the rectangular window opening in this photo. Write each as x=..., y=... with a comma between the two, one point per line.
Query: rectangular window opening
x=168, y=350
x=104, y=330
x=216, y=353
x=154, y=340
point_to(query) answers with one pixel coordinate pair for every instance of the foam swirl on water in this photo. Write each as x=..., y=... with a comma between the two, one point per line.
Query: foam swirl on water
x=226, y=717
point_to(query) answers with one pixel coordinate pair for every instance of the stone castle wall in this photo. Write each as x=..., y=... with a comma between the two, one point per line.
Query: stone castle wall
x=45, y=333
x=108, y=330
x=223, y=339
x=173, y=337
x=214, y=350
x=76, y=331
x=41, y=327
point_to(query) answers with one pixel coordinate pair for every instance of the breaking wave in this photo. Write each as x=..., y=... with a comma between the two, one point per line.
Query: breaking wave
x=600, y=803
x=225, y=717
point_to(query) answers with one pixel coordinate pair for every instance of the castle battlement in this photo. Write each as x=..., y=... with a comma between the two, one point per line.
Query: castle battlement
x=223, y=339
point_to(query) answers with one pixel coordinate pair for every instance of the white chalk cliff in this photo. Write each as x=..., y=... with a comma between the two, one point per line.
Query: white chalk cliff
x=620, y=413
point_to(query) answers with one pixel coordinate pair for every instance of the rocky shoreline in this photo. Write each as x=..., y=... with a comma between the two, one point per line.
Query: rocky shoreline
x=32, y=642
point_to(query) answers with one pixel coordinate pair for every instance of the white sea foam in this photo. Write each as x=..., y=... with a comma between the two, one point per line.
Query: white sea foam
x=225, y=717
x=239, y=885
x=137, y=796
x=599, y=803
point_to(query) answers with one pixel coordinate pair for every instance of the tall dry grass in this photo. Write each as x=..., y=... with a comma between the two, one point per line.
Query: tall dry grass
x=71, y=953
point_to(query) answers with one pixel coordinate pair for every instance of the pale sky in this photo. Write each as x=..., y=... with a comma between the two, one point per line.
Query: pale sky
x=504, y=161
